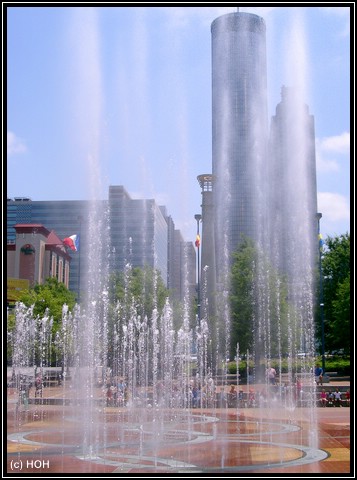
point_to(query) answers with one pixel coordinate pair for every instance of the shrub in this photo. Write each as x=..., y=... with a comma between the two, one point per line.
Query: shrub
x=341, y=365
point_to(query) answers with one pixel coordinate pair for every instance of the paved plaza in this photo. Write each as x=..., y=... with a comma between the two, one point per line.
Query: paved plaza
x=52, y=439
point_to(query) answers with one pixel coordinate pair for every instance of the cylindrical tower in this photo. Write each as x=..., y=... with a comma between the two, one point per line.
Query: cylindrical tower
x=208, y=261
x=239, y=126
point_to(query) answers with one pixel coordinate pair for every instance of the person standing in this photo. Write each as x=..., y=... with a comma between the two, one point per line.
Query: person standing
x=38, y=386
x=232, y=397
x=318, y=374
x=271, y=374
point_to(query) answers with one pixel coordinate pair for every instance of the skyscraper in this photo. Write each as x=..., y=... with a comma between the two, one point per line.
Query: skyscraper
x=141, y=234
x=264, y=189
x=239, y=127
x=293, y=185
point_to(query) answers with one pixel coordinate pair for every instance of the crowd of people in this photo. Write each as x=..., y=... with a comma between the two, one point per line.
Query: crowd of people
x=117, y=394
x=333, y=398
x=193, y=394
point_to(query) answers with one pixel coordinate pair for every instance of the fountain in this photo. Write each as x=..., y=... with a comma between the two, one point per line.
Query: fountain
x=152, y=426
x=142, y=410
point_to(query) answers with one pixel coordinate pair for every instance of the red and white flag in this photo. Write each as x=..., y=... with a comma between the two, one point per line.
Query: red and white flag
x=72, y=242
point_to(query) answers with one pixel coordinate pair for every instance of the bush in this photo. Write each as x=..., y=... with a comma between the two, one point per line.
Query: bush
x=334, y=364
x=337, y=364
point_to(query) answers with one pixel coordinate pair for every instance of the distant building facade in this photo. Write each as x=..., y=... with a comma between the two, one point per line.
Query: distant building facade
x=64, y=217
x=293, y=169
x=36, y=254
x=140, y=233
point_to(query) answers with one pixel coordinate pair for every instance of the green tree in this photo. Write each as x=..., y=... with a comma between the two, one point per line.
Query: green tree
x=47, y=300
x=51, y=295
x=241, y=298
x=259, y=309
x=142, y=287
x=336, y=293
x=135, y=292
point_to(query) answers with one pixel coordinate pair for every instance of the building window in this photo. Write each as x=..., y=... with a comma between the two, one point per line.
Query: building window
x=27, y=249
x=54, y=265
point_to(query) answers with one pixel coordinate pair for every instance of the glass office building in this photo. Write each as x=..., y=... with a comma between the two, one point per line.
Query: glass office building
x=239, y=127
x=138, y=230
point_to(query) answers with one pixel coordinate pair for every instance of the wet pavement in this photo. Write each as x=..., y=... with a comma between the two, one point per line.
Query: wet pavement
x=58, y=439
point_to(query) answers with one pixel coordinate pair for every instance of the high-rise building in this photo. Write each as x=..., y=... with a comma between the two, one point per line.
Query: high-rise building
x=264, y=188
x=239, y=127
x=239, y=148
x=140, y=233
x=293, y=195
x=181, y=282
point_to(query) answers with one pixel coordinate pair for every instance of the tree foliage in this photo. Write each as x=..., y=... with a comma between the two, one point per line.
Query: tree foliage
x=241, y=298
x=143, y=288
x=136, y=290
x=336, y=293
x=47, y=300
x=134, y=293
x=51, y=295
x=258, y=303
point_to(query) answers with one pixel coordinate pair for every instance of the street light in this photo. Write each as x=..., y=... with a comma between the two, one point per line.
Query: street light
x=80, y=219
x=198, y=218
x=319, y=215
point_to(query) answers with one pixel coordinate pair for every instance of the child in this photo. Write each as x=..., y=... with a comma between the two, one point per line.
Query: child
x=323, y=398
x=251, y=398
x=331, y=398
x=337, y=399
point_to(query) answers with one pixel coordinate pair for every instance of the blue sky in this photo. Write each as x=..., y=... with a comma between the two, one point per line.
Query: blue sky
x=122, y=96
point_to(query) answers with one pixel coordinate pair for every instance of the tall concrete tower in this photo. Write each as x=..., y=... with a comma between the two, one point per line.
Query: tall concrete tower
x=208, y=261
x=239, y=128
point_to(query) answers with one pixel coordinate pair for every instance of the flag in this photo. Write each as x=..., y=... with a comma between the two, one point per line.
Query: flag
x=321, y=242
x=198, y=241
x=72, y=242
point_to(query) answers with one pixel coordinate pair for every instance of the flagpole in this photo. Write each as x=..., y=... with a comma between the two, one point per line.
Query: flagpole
x=198, y=218
x=319, y=215
x=79, y=258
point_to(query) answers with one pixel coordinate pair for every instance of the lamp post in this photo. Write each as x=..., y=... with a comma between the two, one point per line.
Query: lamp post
x=198, y=218
x=80, y=218
x=321, y=298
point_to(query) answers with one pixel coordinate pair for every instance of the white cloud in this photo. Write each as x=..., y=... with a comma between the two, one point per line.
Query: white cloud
x=14, y=144
x=333, y=206
x=336, y=144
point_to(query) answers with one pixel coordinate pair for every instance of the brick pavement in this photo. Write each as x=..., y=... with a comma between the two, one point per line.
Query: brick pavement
x=49, y=439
